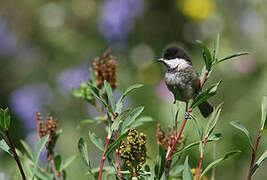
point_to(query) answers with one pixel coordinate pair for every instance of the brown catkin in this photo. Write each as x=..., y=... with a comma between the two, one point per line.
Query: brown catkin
x=105, y=69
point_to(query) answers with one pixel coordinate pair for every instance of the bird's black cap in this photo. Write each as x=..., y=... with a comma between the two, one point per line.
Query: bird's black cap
x=174, y=51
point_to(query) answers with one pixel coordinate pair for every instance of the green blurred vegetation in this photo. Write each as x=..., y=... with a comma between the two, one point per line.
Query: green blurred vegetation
x=57, y=35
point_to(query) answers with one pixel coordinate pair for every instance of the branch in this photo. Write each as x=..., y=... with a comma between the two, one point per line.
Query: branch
x=52, y=161
x=103, y=158
x=254, y=155
x=201, y=159
x=118, y=157
x=15, y=155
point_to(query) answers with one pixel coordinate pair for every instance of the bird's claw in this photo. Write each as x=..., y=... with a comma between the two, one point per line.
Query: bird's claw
x=187, y=115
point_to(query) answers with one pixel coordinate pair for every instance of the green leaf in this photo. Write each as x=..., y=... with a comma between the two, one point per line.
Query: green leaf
x=213, y=138
x=76, y=93
x=131, y=118
x=96, y=92
x=121, y=117
x=205, y=95
x=91, y=121
x=5, y=119
x=129, y=90
x=216, y=47
x=96, y=140
x=260, y=160
x=58, y=161
x=27, y=149
x=213, y=120
x=242, y=128
x=37, y=153
x=176, y=170
x=140, y=121
x=206, y=55
x=4, y=145
x=160, y=163
x=264, y=113
x=187, y=171
x=218, y=161
x=231, y=56
x=68, y=162
x=84, y=153
x=108, y=90
x=113, y=145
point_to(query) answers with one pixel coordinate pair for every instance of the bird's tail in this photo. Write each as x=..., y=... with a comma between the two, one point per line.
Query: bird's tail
x=205, y=108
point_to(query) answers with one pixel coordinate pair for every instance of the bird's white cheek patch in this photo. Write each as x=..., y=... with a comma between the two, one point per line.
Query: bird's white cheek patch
x=173, y=63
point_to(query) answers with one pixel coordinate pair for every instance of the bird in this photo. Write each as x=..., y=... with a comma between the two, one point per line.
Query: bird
x=181, y=77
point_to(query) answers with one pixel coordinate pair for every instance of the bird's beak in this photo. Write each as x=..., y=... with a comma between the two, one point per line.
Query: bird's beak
x=160, y=60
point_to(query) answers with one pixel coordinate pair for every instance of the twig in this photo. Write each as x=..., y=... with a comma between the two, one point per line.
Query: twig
x=204, y=79
x=15, y=155
x=99, y=110
x=103, y=158
x=118, y=156
x=52, y=162
x=201, y=159
x=177, y=137
x=254, y=155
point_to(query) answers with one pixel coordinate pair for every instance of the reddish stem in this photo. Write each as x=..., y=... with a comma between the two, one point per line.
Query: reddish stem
x=103, y=159
x=177, y=137
x=52, y=161
x=204, y=79
x=15, y=155
x=201, y=159
x=118, y=157
x=254, y=155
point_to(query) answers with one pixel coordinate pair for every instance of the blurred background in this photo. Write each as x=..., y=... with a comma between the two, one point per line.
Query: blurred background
x=46, y=48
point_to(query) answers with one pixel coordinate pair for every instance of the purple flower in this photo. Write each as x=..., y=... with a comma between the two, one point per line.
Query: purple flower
x=8, y=40
x=28, y=99
x=117, y=19
x=163, y=92
x=72, y=78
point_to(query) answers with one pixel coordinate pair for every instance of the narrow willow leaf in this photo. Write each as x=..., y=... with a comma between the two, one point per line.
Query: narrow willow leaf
x=176, y=170
x=264, y=113
x=37, y=153
x=4, y=145
x=27, y=149
x=96, y=92
x=97, y=141
x=218, y=161
x=68, y=162
x=84, y=153
x=216, y=47
x=206, y=55
x=213, y=120
x=205, y=95
x=121, y=117
x=187, y=171
x=4, y=119
x=242, y=128
x=231, y=56
x=131, y=118
x=213, y=138
x=160, y=163
x=260, y=160
x=111, y=99
x=141, y=121
x=76, y=93
x=58, y=161
x=129, y=90
x=113, y=145
x=91, y=121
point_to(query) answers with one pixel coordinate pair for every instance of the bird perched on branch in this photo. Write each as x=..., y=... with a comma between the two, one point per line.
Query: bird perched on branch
x=181, y=77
